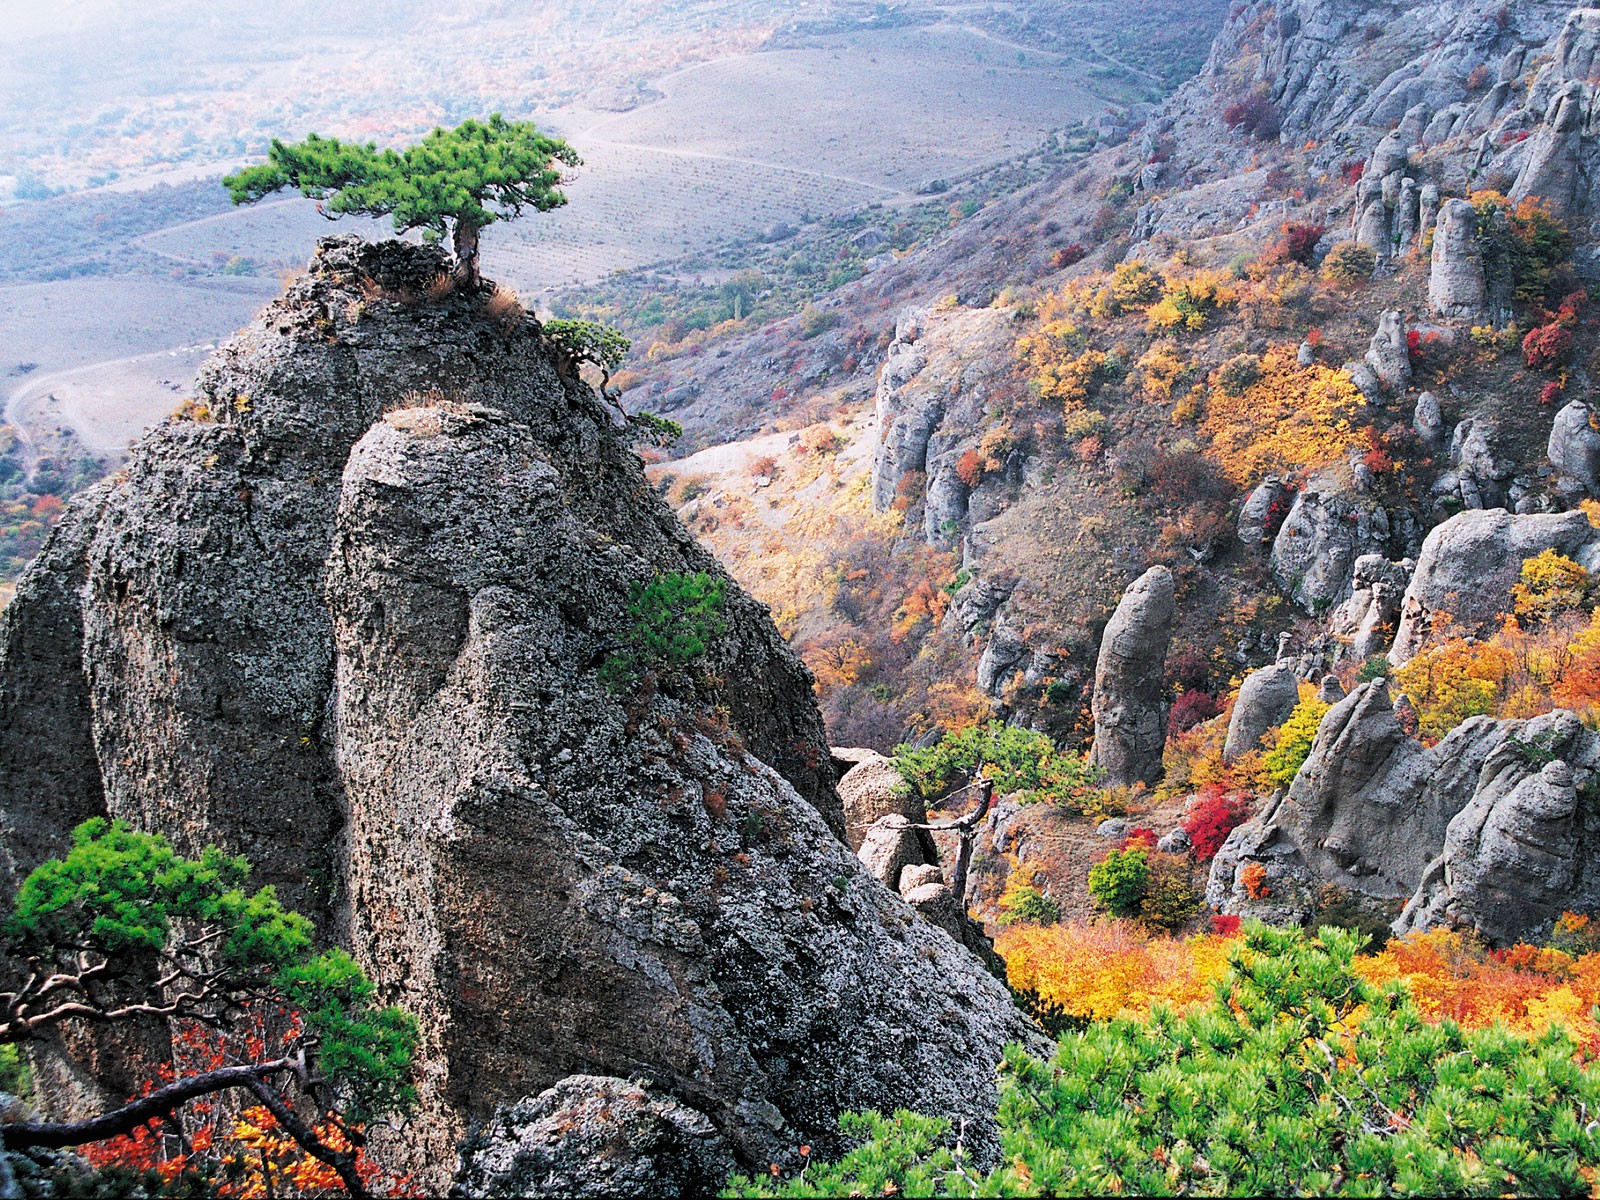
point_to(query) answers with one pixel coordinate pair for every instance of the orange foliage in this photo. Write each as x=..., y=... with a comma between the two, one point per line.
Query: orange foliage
x=1104, y=969
x=247, y=1156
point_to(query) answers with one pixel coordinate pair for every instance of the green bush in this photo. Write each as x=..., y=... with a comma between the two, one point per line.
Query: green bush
x=1297, y=1079
x=1118, y=881
x=674, y=619
x=1017, y=760
x=1349, y=263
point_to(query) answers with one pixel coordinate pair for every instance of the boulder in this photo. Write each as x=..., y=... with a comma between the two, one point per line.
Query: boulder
x=889, y=847
x=1367, y=811
x=1469, y=564
x=1523, y=849
x=1313, y=557
x=1175, y=841
x=1365, y=623
x=594, y=1135
x=1456, y=285
x=1428, y=421
x=1265, y=701
x=1263, y=511
x=1129, y=721
x=874, y=788
x=1574, y=451
x=1388, y=355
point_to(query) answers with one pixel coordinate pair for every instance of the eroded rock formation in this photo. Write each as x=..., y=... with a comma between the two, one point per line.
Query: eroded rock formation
x=1130, y=726
x=354, y=625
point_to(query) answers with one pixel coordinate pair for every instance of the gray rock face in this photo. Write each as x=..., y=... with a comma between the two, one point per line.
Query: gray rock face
x=1387, y=355
x=890, y=846
x=1265, y=701
x=354, y=630
x=1313, y=557
x=1129, y=725
x=1263, y=511
x=1574, y=451
x=1428, y=420
x=1523, y=848
x=1456, y=285
x=906, y=420
x=593, y=1135
x=1488, y=829
x=1468, y=566
x=1365, y=623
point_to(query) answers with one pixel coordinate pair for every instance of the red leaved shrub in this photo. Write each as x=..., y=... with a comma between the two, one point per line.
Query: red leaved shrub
x=1211, y=821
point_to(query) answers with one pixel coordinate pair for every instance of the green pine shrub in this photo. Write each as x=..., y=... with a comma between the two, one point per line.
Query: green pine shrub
x=1297, y=1079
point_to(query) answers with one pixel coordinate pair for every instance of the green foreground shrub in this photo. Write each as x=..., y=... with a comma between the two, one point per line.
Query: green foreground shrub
x=1297, y=1079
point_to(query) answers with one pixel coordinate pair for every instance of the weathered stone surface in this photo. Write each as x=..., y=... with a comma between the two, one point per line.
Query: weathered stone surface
x=1313, y=557
x=1387, y=354
x=1263, y=512
x=592, y=1135
x=354, y=629
x=1428, y=420
x=1523, y=849
x=1365, y=624
x=1574, y=451
x=889, y=847
x=1455, y=282
x=1468, y=566
x=871, y=789
x=1488, y=829
x=1265, y=701
x=1129, y=724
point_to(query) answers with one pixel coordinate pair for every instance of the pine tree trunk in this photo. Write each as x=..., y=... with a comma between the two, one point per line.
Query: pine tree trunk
x=465, y=244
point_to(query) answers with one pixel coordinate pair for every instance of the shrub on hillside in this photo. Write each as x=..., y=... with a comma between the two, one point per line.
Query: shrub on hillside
x=1211, y=821
x=1293, y=746
x=1298, y=1078
x=1189, y=709
x=1348, y=264
x=1300, y=241
x=1117, y=882
x=1546, y=347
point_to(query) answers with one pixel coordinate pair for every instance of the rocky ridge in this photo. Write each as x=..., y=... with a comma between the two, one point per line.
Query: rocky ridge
x=348, y=616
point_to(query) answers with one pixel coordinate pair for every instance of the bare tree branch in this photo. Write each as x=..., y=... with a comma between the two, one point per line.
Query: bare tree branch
x=20, y=1135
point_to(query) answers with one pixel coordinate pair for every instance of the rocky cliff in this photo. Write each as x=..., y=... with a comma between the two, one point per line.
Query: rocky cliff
x=348, y=613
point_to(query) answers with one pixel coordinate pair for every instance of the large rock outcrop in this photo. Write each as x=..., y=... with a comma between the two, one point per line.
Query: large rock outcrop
x=1574, y=451
x=1456, y=285
x=1495, y=827
x=1130, y=728
x=1469, y=564
x=1314, y=555
x=354, y=627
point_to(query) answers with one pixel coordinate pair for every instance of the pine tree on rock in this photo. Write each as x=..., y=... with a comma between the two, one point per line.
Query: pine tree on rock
x=452, y=183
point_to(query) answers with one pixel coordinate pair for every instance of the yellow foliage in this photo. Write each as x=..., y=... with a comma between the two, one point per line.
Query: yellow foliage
x=1448, y=683
x=1108, y=968
x=1186, y=302
x=1549, y=584
x=1292, y=419
x=1161, y=367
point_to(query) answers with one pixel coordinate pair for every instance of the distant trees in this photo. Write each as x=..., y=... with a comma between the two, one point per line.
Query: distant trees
x=452, y=183
x=122, y=931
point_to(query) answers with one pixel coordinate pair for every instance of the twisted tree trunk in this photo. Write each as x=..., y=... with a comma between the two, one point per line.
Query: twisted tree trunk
x=464, y=242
